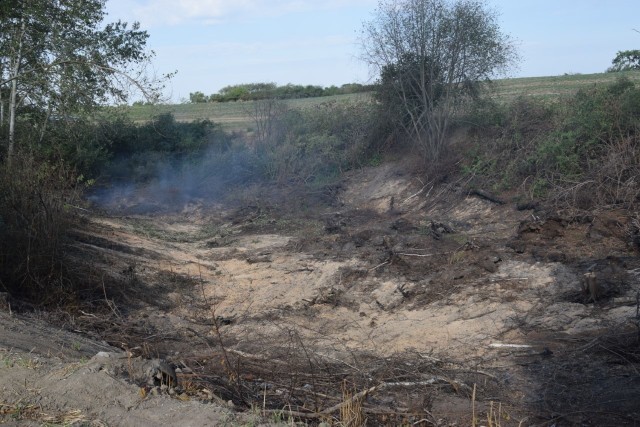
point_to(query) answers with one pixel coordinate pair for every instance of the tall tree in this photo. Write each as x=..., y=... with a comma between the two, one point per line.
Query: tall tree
x=625, y=60
x=57, y=59
x=430, y=55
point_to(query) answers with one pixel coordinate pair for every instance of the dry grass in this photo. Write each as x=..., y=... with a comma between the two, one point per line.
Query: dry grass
x=19, y=412
x=352, y=411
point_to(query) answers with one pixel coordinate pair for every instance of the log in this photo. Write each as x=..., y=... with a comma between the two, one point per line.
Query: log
x=487, y=196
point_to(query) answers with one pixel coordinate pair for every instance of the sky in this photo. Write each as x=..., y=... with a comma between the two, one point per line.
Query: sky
x=215, y=43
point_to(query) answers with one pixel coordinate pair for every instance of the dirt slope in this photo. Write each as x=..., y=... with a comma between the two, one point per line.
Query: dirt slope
x=414, y=291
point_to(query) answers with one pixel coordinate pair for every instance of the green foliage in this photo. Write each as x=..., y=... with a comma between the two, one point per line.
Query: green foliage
x=432, y=55
x=314, y=146
x=112, y=146
x=558, y=155
x=601, y=115
x=582, y=150
x=484, y=114
x=625, y=60
x=137, y=151
x=401, y=84
x=258, y=91
x=198, y=97
x=58, y=59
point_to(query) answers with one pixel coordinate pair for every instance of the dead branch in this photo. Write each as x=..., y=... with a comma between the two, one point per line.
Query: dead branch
x=363, y=394
x=487, y=196
x=425, y=255
x=379, y=265
x=417, y=194
x=501, y=345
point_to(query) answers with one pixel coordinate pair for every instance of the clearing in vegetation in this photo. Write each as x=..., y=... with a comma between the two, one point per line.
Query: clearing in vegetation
x=387, y=299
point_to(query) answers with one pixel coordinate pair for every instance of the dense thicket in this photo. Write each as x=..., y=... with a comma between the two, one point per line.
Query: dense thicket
x=582, y=151
x=59, y=62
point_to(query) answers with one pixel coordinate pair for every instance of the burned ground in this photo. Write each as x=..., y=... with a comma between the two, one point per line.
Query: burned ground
x=429, y=303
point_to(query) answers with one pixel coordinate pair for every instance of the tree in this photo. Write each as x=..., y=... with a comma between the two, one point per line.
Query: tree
x=430, y=56
x=197, y=97
x=267, y=114
x=56, y=60
x=625, y=60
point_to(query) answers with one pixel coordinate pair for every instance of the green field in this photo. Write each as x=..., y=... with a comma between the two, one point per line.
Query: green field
x=236, y=115
x=553, y=87
x=231, y=115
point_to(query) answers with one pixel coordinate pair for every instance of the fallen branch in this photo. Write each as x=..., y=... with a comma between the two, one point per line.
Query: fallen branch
x=353, y=398
x=487, y=196
x=500, y=345
x=379, y=265
x=424, y=255
x=477, y=371
x=417, y=194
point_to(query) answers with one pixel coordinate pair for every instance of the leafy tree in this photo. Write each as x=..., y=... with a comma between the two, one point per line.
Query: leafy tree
x=57, y=60
x=266, y=91
x=625, y=60
x=197, y=98
x=430, y=56
x=234, y=93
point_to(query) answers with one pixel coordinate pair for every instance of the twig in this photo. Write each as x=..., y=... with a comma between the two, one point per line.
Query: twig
x=79, y=208
x=353, y=398
x=431, y=421
x=89, y=314
x=110, y=304
x=500, y=345
x=328, y=411
x=235, y=376
x=297, y=414
x=473, y=406
x=424, y=255
x=379, y=265
x=417, y=194
x=477, y=371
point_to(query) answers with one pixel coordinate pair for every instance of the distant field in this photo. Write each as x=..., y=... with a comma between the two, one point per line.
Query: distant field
x=236, y=115
x=231, y=115
x=553, y=87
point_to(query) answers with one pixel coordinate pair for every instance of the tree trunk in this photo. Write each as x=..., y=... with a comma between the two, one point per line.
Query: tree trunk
x=13, y=97
x=1, y=100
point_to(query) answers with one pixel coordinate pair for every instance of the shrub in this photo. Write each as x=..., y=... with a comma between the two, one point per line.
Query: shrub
x=315, y=145
x=36, y=199
x=140, y=153
x=581, y=152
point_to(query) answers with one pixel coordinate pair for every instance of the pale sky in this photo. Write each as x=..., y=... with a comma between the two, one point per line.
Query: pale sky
x=215, y=43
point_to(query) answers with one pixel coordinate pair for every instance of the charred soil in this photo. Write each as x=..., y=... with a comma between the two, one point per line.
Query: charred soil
x=384, y=298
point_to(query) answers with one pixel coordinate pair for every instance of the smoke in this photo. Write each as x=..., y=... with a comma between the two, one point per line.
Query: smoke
x=172, y=184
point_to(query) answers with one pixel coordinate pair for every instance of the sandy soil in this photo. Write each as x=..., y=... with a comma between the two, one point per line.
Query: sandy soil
x=418, y=293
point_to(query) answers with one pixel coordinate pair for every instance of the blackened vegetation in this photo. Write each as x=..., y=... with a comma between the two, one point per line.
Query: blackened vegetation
x=591, y=381
x=38, y=202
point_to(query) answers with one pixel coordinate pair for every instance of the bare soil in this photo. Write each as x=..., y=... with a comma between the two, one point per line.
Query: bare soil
x=429, y=302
